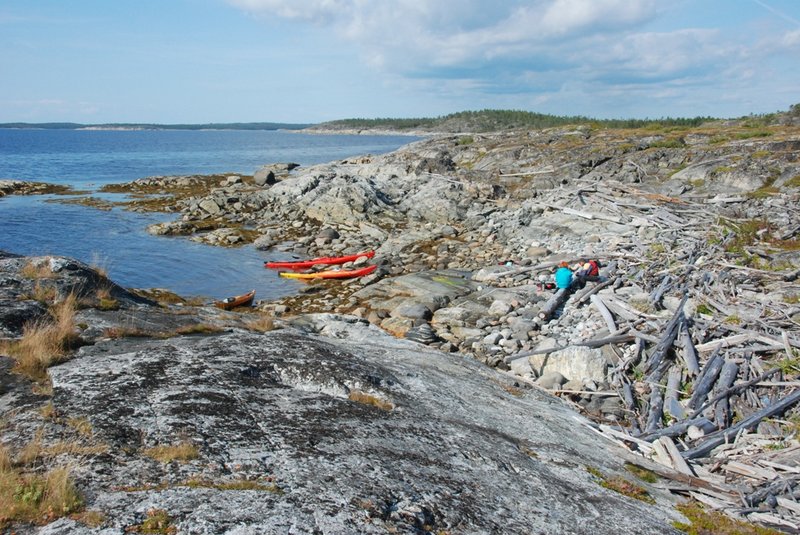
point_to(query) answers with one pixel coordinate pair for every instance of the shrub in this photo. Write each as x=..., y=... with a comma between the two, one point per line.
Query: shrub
x=621, y=485
x=755, y=133
x=642, y=473
x=668, y=143
x=465, y=140
x=703, y=522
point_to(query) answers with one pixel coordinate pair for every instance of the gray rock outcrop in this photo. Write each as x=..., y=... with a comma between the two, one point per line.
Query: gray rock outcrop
x=347, y=429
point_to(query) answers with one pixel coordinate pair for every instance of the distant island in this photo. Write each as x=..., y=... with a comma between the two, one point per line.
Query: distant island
x=465, y=121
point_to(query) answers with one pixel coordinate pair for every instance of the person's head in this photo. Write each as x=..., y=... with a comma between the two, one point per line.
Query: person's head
x=564, y=263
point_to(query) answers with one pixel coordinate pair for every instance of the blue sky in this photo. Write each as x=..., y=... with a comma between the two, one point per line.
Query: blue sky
x=200, y=61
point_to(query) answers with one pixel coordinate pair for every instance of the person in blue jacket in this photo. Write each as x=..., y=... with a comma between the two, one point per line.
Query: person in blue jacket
x=563, y=276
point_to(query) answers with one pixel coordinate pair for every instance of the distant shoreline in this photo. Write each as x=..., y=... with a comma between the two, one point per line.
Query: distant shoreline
x=149, y=126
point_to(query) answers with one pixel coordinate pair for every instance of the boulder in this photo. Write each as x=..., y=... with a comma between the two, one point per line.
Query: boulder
x=537, y=252
x=264, y=242
x=422, y=333
x=499, y=308
x=412, y=309
x=210, y=206
x=328, y=234
x=397, y=326
x=551, y=380
x=264, y=177
x=267, y=175
x=577, y=363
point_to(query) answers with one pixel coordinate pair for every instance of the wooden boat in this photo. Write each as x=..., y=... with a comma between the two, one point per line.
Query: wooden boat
x=331, y=274
x=230, y=303
x=324, y=260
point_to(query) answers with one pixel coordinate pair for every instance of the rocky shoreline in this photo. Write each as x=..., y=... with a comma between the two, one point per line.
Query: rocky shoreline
x=698, y=236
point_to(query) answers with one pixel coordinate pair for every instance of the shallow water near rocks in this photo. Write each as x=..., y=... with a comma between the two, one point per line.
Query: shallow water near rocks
x=116, y=240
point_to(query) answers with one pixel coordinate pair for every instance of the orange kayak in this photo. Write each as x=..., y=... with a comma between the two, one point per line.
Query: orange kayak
x=230, y=303
x=324, y=260
x=331, y=274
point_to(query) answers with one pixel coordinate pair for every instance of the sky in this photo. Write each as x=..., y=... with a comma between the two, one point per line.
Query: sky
x=309, y=61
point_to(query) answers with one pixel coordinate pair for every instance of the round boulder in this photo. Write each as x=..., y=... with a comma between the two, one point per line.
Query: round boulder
x=412, y=310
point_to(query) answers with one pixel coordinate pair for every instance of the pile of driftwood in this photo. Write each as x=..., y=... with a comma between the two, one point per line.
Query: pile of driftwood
x=711, y=389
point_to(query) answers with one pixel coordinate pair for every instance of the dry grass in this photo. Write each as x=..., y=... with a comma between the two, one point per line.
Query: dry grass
x=99, y=265
x=369, y=399
x=242, y=484
x=37, y=271
x=46, y=343
x=197, y=328
x=44, y=388
x=35, y=450
x=5, y=459
x=42, y=293
x=105, y=301
x=36, y=498
x=166, y=298
x=130, y=332
x=183, y=452
x=125, y=332
x=66, y=447
x=48, y=411
x=92, y=519
x=261, y=324
x=81, y=425
x=158, y=521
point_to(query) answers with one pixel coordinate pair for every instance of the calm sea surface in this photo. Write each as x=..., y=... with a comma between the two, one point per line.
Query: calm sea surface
x=116, y=240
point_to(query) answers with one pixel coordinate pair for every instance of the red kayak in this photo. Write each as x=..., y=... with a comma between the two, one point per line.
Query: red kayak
x=325, y=260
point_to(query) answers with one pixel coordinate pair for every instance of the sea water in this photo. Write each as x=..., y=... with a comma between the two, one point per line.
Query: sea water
x=115, y=239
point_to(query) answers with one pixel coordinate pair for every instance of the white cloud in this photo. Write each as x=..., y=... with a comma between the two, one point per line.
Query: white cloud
x=419, y=34
x=673, y=53
x=539, y=51
x=791, y=39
